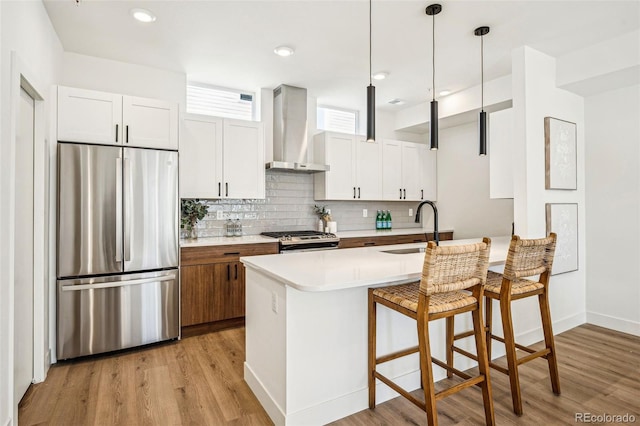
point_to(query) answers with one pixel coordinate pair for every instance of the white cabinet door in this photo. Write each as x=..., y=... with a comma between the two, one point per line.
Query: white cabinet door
x=243, y=158
x=411, y=182
x=338, y=151
x=368, y=169
x=201, y=157
x=89, y=116
x=428, y=173
x=391, y=170
x=150, y=123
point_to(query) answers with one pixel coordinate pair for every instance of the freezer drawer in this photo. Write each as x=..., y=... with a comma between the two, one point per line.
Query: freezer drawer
x=103, y=314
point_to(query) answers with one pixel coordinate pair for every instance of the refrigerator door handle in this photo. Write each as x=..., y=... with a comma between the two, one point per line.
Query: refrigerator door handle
x=127, y=208
x=118, y=209
x=117, y=284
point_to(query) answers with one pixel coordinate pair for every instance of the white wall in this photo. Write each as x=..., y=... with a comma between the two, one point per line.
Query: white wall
x=613, y=210
x=536, y=96
x=89, y=72
x=26, y=30
x=463, y=188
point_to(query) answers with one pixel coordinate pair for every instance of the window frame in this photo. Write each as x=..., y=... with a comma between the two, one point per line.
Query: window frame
x=254, y=112
x=355, y=112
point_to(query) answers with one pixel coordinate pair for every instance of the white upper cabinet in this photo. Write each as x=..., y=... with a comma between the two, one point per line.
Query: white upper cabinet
x=501, y=154
x=408, y=171
x=221, y=158
x=354, y=167
x=201, y=157
x=243, y=159
x=150, y=123
x=90, y=116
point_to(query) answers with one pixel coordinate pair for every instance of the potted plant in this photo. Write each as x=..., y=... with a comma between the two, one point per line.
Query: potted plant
x=323, y=214
x=192, y=211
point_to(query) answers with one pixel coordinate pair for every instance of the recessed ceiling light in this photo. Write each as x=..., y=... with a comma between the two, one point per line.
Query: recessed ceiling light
x=396, y=101
x=380, y=75
x=445, y=92
x=283, y=51
x=143, y=15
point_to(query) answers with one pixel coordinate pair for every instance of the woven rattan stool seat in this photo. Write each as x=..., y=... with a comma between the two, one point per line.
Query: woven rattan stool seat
x=406, y=295
x=521, y=286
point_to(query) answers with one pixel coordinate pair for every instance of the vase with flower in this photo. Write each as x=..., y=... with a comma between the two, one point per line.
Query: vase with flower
x=191, y=212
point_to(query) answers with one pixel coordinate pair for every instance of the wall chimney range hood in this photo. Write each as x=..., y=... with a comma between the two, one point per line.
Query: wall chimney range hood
x=290, y=141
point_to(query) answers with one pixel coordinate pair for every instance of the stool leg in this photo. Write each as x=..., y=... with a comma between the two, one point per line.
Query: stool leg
x=549, y=341
x=489, y=317
x=372, y=350
x=426, y=370
x=450, y=342
x=510, y=347
x=483, y=366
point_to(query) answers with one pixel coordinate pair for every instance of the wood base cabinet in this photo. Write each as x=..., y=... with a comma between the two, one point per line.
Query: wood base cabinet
x=212, y=285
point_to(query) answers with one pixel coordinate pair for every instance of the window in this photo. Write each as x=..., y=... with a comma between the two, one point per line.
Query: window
x=337, y=120
x=219, y=101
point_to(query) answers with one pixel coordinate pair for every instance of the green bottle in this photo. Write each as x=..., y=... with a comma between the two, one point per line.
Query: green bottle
x=389, y=223
x=378, y=220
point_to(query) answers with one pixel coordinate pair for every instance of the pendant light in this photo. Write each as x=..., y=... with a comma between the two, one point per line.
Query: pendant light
x=481, y=32
x=371, y=94
x=432, y=10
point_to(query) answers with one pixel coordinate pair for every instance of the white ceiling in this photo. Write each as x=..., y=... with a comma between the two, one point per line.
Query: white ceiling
x=230, y=43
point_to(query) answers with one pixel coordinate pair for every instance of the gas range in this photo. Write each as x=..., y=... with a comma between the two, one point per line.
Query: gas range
x=291, y=241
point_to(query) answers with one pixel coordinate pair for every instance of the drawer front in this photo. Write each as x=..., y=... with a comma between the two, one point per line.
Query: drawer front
x=226, y=253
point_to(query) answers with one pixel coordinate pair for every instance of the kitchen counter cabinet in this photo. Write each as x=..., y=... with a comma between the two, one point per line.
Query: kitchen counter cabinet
x=213, y=285
x=306, y=323
x=391, y=239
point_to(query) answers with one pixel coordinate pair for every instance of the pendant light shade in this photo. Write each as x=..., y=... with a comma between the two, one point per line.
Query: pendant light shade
x=371, y=94
x=432, y=10
x=481, y=32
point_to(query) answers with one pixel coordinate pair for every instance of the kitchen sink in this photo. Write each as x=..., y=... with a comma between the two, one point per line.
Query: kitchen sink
x=405, y=250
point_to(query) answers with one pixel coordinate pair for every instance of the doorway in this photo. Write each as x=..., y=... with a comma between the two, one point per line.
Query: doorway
x=24, y=246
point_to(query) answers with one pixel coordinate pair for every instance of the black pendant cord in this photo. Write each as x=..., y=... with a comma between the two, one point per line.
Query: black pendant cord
x=433, y=58
x=481, y=32
x=370, y=50
x=482, y=72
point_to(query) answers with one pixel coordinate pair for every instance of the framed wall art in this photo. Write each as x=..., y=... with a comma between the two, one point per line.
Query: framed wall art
x=563, y=220
x=560, y=154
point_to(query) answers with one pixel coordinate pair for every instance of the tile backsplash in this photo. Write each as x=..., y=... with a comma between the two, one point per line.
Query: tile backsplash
x=289, y=206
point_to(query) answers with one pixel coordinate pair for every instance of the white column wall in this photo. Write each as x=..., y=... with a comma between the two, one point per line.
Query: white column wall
x=613, y=209
x=536, y=96
x=26, y=30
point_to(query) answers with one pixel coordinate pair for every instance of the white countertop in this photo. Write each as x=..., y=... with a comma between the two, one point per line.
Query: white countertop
x=385, y=232
x=225, y=241
x=329, y=270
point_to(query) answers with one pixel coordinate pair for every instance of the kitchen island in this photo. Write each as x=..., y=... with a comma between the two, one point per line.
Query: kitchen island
x=306, y=328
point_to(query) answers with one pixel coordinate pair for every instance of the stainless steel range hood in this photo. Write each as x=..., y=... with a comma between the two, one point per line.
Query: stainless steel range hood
x=290, y=141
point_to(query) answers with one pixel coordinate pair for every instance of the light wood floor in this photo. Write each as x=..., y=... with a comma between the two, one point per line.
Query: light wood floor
x=198, y=381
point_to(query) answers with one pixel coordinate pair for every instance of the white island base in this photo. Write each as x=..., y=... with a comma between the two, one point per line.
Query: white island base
x=306, y=338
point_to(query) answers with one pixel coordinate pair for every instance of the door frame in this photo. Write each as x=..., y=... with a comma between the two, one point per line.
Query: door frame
x=22, y=78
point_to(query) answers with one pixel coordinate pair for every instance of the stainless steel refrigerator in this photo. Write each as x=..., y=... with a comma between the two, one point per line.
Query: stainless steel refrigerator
x=117, y=241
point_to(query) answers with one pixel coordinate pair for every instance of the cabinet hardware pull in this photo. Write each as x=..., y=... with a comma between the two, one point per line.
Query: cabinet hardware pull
x=236, y=265
x=228, y=272
x=422, y=194
x=116, y=133
x=354, y=192
x=358, y=192
x=372, y=243
x=405, y=194
x=231, y=253
x=219, y=189
x=127, y=131
x=226, y=189
x=401, y=193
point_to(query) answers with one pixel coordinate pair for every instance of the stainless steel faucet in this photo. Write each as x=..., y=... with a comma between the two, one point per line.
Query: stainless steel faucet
x=436, y=236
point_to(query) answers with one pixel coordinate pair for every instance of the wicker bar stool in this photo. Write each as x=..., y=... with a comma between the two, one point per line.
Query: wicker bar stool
x=452, y=283
x=526, y=258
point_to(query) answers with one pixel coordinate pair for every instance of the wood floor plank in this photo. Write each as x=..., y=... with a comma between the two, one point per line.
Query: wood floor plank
x=199, y=381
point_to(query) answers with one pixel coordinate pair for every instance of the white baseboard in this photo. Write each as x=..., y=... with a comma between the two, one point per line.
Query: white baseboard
x=618, y=324
x=274, y=411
